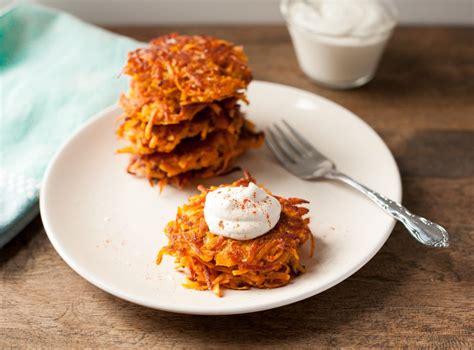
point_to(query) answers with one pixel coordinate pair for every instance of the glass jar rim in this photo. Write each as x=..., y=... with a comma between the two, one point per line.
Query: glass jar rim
x=389, y=4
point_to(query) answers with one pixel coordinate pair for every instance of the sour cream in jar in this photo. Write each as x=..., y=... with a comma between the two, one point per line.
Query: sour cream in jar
x=241, y=212
x=339, y=43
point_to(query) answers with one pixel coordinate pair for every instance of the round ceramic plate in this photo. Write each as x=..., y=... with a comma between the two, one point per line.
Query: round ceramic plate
x=108, y=225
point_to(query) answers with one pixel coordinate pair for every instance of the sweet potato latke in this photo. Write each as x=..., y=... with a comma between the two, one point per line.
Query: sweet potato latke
x=213, y=262
x=165, y=138
x=182, y=118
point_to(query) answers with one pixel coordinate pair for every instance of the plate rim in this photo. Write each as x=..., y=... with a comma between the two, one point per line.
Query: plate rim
x=198, y=310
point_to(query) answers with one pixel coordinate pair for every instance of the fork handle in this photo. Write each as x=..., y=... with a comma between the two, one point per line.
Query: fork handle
x=423, y=230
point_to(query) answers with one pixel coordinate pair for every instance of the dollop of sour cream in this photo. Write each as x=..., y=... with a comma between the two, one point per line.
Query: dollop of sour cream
x=241, y=213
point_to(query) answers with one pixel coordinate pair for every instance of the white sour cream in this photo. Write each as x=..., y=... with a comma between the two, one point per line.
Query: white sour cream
x=339, y=42
x=351, y=20
x=241, y=213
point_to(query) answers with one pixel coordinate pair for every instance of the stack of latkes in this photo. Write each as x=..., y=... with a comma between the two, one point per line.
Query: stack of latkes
x=182, y=117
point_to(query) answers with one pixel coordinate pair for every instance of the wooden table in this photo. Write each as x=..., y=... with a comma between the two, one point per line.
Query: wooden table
x=422, y=104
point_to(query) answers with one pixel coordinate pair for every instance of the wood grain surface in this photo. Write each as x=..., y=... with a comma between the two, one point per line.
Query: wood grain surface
x=422, y=104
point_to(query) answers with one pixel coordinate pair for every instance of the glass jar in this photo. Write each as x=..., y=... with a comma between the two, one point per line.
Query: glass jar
x=339, y=43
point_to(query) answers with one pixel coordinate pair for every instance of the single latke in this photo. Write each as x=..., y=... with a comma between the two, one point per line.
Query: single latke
x=214, y=262
x=189, y=69
x=213, y=154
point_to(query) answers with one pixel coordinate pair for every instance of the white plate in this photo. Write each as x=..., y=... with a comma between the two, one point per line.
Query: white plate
x=108, y=225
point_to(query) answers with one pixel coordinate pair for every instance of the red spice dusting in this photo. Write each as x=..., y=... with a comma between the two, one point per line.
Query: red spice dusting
x=268, y=219
x=221, y=224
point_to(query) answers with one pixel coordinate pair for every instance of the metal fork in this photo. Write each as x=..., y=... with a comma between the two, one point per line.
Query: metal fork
x=299, y=157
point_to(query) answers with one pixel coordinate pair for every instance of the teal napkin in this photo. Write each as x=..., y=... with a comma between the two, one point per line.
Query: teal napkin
x=55, y=72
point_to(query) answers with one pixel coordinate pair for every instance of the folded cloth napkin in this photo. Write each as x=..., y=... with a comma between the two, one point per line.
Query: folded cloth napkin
x=55, y=72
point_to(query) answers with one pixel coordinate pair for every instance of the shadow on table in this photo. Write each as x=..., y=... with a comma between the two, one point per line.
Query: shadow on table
x=411, y=71
x=24, y=239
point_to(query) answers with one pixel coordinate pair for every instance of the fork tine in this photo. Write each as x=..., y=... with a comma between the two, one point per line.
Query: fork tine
x=276, y=150
x=284, y=143
x=300, y=139
x=292, y=143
